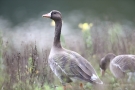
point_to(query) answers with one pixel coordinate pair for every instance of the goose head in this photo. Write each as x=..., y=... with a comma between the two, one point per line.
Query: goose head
x=104, y=62
x=54, y=15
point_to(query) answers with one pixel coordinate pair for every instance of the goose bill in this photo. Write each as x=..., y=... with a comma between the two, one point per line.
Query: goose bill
x=48, y=15
x=102, y=72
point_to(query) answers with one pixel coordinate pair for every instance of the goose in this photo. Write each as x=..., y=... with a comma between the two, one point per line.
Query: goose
x=68, y=65
x=119, y=65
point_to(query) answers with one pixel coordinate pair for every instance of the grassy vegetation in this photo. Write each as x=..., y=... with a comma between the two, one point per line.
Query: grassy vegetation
x=27, y=68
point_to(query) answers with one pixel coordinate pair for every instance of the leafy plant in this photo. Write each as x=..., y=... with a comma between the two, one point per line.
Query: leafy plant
x=86, y=34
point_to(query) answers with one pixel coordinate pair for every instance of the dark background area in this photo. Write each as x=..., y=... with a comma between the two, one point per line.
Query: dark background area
x=18, y=11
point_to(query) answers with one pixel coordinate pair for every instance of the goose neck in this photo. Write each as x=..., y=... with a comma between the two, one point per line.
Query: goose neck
x=58, y=25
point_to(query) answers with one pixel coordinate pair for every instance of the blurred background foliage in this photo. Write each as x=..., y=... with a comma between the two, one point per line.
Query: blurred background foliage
x=92, y=28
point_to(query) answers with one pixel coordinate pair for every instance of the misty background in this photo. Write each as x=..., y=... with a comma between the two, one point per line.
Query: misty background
x=92, y=28
x=22, y=21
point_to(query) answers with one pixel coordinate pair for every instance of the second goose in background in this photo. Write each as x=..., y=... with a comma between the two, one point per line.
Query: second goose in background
x=119, y=65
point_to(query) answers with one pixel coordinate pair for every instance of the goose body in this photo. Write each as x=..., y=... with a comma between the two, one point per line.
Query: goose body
x=68, y=65
x=122, y=64
x=119, y=65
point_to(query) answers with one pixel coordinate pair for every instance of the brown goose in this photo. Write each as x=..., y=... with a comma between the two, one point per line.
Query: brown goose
x=68, y=65
x=119, y=65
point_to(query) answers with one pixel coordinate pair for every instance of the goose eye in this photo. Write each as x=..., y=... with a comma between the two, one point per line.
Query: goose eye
x=54, y=13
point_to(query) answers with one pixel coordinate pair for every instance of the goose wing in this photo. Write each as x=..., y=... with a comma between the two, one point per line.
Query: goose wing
x=125, y=62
